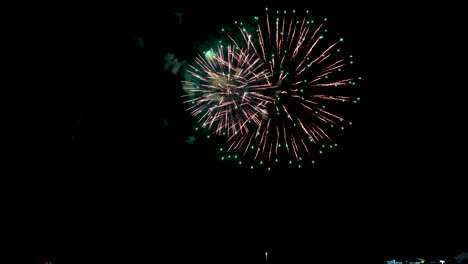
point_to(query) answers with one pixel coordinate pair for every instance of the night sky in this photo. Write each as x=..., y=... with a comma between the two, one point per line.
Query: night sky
x=137, y=192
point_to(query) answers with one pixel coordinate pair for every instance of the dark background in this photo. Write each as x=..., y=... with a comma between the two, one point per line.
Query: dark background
x=136, y=192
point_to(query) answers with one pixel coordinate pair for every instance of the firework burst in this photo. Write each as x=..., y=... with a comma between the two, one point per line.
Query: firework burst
x=229, y=89
x=274, y=89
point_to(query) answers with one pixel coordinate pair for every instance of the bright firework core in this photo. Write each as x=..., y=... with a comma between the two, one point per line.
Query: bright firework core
x=268, y=86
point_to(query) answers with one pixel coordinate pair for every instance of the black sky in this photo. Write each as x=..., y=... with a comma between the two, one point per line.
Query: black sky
x=394, y=188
